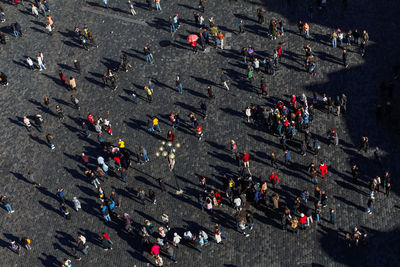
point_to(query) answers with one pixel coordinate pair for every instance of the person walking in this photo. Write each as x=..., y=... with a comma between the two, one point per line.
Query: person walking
x=158, y=5
x=224, y=80
x=40, y=63
x=49, y=138
x=72, y=83
x=75, y=102
x=370, y=205
x=131, y=8
x=344, y=58
x=27, y=123
x=240, y=25
x=287, y=157
x=323, y=169
x=77, y=66
x=30, y=63
x=149, y=94
x=178, y=83
x=26, y=242
x=105, y=244
x=35, y=11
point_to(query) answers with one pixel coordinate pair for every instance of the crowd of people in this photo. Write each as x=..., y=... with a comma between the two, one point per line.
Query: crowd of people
x=288, y=119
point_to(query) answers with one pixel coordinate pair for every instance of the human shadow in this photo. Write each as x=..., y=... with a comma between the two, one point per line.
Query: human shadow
x=20, y=177
x=49, y=260
x=50, y=208
x=349, y=203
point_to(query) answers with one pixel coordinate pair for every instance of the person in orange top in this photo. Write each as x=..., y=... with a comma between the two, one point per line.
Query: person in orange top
x=323, y=168
x=306, y=28
x=220, y=39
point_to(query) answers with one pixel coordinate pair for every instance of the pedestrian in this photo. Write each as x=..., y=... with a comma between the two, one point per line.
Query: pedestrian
x=224, y=80
x=65, y=211
x=26, y=242
x=243, y=228
x=274, y=179
x=370, y=205
x=75, y=102
x=15, y=247
x=303, y=221
x=273, y=161
x=107, y=237
x=170, y=252
x=143, y=153
x=59, y=112
x=149, y=94
x=72, y=83
x=240, y=25
x=67, y=263
x=158, y=6
x=203, y=184
x=323, y=169
x=334, y=37
x=165, y=220
x=287, y=157
x=203, y=108
x=148, y=54
x=152, y=196
x=306, y=29
x=77, y=203
x=142, y=196
x=159, y=261
x=176, y=240
x=161, y=184
x=362, y=47
x=77, y=66
x=30, y=63
x=31, y=179
x=4, y=201
x=344, y=58
x=49, y=138
x=82, y=246
x=333, y=216
x=40, y=63
x=131, y=8
x=250, y=220
x=105, y=244
x=245, y=159
x=27, y=123
x=35, y=11
x=201, y=201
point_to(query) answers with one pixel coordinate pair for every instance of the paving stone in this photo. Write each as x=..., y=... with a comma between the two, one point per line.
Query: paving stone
x=115, y=30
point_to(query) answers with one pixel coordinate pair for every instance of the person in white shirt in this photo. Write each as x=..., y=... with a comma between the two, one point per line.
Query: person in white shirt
x=40, y=63
x=176, y=240
x=30, y=63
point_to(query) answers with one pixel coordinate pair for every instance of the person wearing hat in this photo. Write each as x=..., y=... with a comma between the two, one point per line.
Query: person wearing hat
x=303, y=221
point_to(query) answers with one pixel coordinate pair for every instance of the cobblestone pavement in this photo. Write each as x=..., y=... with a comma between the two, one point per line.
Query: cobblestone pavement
x=115, y=30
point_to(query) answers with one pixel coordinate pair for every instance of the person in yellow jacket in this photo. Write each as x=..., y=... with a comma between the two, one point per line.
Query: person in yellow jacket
x=156, y=124
x=149, y=94
x=121, y=144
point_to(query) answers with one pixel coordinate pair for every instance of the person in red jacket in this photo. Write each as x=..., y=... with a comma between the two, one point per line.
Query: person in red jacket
x=90, y=118
x=194, y=46
x=323, y=168
x=199, y=132
x=303, y=221
x=245, y=159
x=274, y=179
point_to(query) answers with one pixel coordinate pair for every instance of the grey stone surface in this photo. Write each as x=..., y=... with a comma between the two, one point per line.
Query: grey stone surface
x=115, y=30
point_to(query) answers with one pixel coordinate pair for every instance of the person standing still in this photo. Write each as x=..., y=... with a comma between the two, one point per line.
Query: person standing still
x=77, y=66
